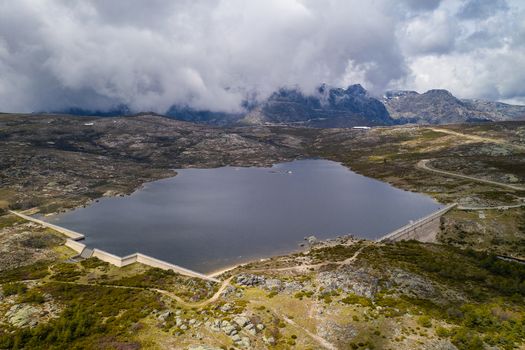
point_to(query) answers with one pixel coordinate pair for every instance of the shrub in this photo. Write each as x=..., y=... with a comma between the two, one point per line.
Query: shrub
x=32, y=296
x=272, y=294
x=442, y=332
x=356, y=299
x=14, y=288
x=29, y=272
x=93, y=263
x=424, y=321
x=66, y=272
x=465, y=339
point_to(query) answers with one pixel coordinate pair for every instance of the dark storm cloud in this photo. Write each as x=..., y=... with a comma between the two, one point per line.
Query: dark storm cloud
x=212, y=54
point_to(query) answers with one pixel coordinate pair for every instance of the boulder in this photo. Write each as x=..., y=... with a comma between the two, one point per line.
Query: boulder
x=269, y=340
x=250, y=280
x=250, y=328
x=311, y=240
x=23, y=315
x=164, y=315
x=226, y=307
x=228, y=328
x=350, y=279
x=244, y=343
x=273, y=284
x=241, y=320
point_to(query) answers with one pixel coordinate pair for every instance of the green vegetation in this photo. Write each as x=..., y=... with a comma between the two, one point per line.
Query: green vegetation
x=356, y=299
x=32, y=296
x=14, y=288
x=334, y=253
x=301, y=294
x=424, y=321
x=92, y=315
x=93, y=263
x=34, y=271
x=152, y=278
x=9, y=220
x=495, y=311
x=193, y=289
x=47, y=239
x=480, y=275
x=66, y=272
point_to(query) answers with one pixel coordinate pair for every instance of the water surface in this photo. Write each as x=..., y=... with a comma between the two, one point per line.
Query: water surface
x=206, y=219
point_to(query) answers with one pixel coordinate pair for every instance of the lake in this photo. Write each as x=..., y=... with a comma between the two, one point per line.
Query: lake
x=207, y=219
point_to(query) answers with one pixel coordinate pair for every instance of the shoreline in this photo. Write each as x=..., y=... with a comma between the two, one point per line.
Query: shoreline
x=219, y=271
x=341, y=239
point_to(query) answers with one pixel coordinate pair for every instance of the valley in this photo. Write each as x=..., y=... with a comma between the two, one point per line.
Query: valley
x=337, y=294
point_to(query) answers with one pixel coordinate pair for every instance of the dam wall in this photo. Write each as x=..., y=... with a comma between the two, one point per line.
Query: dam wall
x=76, y=246
x=424, y=229
x=149, y=261
x=108, y=257
x=69, y=233
x=74, y=237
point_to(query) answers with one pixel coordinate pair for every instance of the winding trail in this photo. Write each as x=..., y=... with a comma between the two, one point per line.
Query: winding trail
x=423, y=164
x=498, y=207
x=169, y=294
x=212, y=299
x=302, y=268
x=320, y=340
x=476, y=138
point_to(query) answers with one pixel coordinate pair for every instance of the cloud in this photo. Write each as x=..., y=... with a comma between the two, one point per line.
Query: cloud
x=213, y=54
x=432, y=33
x=479, y=9
x=484, y=58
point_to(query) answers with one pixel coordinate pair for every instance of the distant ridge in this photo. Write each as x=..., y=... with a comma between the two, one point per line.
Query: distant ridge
x=331, y=107
x=441, y=107
x=328, y=107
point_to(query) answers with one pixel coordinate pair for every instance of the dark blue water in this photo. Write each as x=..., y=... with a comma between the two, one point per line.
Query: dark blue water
x=206, y=219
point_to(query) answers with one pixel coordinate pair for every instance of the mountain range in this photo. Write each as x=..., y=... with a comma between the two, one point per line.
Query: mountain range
x=441, y=107
x=330, y=107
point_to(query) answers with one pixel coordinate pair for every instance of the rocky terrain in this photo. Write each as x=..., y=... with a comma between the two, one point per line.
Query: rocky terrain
x=332, y=107
x=329, y=107
x=59, y=162
x=64, y=160
x=441, y=107
x=341, y=294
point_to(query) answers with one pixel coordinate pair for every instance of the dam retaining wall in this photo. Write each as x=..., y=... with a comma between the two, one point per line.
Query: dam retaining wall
x=108, y=257
x=74, y=237
x=424, y=229
x=76, y=246
x=149, y=261
x=69, y=233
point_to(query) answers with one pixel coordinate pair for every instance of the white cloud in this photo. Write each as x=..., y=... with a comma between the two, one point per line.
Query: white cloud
x=486, y=58
x=211, y=54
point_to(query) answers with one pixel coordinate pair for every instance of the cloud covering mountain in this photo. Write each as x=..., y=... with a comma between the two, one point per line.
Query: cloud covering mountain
x=149, y=55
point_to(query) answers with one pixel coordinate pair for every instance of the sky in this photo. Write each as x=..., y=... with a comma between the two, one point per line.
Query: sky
x=214, y=54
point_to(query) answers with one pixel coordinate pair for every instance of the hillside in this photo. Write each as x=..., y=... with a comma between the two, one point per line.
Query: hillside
x=344, y=293
x=329, y=107
x=441, y=107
